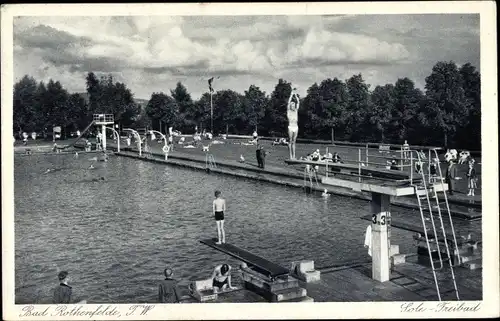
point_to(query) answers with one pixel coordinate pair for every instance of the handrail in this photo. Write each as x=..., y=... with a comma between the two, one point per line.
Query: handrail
x=117, y=136
x=138, y=138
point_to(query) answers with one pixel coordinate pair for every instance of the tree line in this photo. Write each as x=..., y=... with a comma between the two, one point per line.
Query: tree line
x=447, y=113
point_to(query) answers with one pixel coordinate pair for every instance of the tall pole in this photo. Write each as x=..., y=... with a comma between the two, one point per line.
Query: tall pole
x=211, y=114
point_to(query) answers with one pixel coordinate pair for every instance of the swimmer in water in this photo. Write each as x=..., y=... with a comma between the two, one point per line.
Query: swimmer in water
x=76, y=154
x=91, y=166
x=48, y=171
x=325, y=193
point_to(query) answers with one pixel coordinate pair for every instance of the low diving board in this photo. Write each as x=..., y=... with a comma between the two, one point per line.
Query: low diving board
x=257, y=263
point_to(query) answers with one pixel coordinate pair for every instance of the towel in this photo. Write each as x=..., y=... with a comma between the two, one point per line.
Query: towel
x=368, y=239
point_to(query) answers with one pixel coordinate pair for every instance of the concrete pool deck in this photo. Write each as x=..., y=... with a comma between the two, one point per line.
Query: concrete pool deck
x=353, y=283
x=461, y=206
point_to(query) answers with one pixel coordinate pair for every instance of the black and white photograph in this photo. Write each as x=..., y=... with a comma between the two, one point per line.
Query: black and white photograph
x=162, y=158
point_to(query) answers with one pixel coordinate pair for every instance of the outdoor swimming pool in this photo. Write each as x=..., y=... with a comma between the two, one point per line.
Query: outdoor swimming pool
x=116, y=236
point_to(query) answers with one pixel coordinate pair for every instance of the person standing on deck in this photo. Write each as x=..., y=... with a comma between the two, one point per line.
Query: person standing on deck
x=62, y=294
x=219, y=207
x=451, y=176
x=258, y=155
x=471, y=178
x=406, y=150
x=167, y=289
x=292, y=115
x=263, y=154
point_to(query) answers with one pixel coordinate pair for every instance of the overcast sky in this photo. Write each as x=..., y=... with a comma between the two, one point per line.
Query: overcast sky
x=151, y=54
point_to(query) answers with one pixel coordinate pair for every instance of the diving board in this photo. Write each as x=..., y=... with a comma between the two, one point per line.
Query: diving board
x=365, y=170
x=257, y=263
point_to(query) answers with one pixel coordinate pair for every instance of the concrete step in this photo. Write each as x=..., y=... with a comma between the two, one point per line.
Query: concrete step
x=398, y=259
x=469, y=258
x=304, y=265
x=279, y=284
x=394, y=249
x=311, y=276
x=289, y=294
x=302, y=299
x=474, y=264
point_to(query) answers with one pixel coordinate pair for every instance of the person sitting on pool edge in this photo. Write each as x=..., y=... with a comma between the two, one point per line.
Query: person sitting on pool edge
x=222, y=278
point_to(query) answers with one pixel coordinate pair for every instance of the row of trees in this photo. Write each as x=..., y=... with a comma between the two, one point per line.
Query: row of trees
x=447, y=113
x=39, y=106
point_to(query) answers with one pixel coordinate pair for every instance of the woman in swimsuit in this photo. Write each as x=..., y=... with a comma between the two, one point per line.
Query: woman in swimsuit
x=221, y=278
x=292, y=115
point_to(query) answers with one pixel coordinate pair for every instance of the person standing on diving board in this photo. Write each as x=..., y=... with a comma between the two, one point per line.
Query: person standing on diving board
x=219, y=206
x=292, y=115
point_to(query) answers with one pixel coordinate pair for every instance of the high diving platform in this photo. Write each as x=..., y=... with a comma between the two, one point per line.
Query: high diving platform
x=258, y=264
x=386, y=188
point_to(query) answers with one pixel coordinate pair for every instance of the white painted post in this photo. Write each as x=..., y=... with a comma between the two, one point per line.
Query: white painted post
x=380, y=239
x=103, y=134
x=359, y=165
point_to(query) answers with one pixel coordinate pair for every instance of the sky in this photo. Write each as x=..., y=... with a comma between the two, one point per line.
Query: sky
x=152, y=53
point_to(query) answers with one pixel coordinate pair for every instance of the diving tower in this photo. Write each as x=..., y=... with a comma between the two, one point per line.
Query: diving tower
x=103, y=120
x=436, y=232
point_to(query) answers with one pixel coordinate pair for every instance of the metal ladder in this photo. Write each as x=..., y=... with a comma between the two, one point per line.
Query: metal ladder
x=310, y=176
x=210, y=161
x=423, y=191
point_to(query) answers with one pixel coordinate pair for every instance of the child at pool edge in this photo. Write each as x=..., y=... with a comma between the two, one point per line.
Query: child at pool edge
x=471, y=178
x=219, y=206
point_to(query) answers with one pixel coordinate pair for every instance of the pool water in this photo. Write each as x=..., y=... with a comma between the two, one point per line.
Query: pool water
x=116, y=236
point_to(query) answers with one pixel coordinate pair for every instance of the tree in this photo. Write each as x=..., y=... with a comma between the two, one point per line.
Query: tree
x=255, y=102
x=407, y=100
x=383, y=102
x=26, y=105
x=106, y=96
x=94, y=92
x=275, y=119
x=471, y=84
x=307, y=111
x=183, y=99
x=446, y=98
x=228, y=112
x=357, y=109
x=78, y=117
x=162, y=108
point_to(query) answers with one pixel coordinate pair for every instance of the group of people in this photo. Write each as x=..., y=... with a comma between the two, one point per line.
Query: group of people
x=317, y=157
x=452, y=177
x=168, y=288
x=168, y=291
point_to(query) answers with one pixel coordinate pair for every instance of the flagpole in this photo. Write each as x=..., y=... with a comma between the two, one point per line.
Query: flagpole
x=211, y=115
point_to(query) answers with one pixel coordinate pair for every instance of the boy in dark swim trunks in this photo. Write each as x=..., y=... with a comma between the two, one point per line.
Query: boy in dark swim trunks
x=219, y=206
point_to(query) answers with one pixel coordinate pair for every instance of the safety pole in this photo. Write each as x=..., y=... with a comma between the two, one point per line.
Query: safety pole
x=359, y=165
x=326, y=162
x=366, y=154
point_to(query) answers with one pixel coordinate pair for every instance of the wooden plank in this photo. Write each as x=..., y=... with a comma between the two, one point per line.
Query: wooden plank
x=258, y=263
